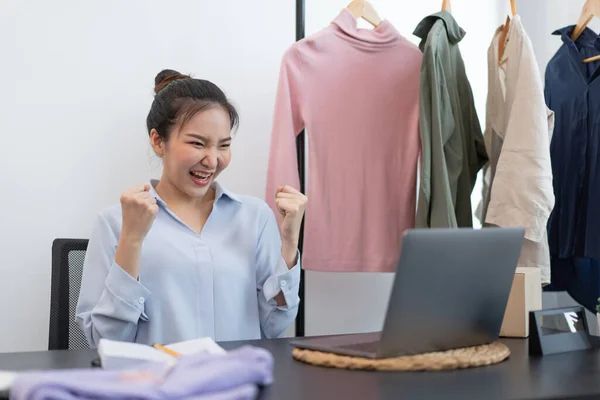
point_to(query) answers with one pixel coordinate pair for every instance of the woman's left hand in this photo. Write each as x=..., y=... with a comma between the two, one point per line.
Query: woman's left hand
x=291, y=205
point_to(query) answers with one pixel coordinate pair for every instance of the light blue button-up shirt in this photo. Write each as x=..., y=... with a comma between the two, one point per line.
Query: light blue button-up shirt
x=219, y=284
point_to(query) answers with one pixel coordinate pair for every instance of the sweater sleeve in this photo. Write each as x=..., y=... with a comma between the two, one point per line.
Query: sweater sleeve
x=287, y=124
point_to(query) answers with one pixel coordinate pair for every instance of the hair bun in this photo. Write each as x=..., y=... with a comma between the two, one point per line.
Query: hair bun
x=165, y=77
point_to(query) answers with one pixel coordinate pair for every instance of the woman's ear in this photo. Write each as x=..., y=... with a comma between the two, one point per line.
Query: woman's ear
x=157, y=143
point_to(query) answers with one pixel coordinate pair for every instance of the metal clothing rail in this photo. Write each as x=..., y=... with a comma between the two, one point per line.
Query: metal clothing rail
x=300, y=154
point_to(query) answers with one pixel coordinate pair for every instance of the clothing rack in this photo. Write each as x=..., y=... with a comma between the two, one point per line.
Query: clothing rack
x=300, y=33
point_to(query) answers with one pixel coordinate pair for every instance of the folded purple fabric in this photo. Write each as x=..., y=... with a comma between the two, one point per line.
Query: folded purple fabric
x=234, y=375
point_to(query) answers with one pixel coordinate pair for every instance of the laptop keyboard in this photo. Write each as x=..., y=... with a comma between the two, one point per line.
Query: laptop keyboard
x=369, y=347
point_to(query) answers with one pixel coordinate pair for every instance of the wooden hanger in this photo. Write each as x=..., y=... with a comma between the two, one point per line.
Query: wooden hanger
x=446, y=6
x=590, y=9
x=502, y=44
x=365, y=10
x=590, y=59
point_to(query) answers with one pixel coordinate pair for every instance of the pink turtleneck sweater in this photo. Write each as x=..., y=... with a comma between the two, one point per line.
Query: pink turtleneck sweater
x=355, y=91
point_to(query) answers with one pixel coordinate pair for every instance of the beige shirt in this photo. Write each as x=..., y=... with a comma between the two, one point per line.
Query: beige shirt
x=518, y=179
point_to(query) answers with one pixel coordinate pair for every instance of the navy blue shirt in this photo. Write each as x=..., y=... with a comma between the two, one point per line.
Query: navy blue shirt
x=572, y=91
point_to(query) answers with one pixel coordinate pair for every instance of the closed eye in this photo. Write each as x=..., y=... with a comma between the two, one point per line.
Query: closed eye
x=198, y=144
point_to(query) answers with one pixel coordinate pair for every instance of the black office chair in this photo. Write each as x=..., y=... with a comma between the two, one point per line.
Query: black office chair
x=67, y=268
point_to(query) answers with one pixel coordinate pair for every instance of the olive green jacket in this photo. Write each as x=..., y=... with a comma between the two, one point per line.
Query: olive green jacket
x=453, y=150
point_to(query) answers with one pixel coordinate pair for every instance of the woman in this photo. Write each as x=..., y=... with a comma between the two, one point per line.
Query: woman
x=183, y=257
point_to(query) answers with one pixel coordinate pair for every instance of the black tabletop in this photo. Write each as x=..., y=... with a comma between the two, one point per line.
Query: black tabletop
x=574, y=375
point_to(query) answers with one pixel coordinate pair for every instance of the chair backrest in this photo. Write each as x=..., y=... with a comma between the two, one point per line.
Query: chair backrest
x=68, y=256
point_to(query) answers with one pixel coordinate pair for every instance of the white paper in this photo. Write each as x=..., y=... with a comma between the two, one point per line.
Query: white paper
x=115, y=354
x=195, y=346
x=118, y=355
x=112, y=348
x=6, y=380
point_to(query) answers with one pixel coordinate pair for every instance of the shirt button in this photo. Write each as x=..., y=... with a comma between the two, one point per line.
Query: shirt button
x=283, y=283
x=141, y=300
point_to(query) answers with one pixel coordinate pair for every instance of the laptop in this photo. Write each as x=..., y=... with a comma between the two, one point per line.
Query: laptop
x=450, y=290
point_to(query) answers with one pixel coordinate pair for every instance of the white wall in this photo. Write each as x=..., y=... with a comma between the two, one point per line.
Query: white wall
x=77, y=80
x=540, y=22
x=356, y=302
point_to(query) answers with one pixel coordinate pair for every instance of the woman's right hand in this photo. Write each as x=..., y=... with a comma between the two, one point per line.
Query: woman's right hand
x=139, y=211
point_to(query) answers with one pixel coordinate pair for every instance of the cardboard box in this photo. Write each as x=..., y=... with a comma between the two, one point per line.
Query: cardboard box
x=525, y=296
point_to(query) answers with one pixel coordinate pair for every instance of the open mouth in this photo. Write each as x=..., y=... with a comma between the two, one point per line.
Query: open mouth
x=201, y=178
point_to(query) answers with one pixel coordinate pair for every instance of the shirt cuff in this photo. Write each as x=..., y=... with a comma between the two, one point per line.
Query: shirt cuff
x=286, y=281
x=126, y=289
x=507, y=217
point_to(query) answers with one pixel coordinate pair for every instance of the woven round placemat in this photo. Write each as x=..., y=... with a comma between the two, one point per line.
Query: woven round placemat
x=467, y=357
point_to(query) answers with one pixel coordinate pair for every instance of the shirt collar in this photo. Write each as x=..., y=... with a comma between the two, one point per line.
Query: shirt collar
x=220, y=191
x=454, y=32
x=588, y=37
x=384, y=33
x=495, y=99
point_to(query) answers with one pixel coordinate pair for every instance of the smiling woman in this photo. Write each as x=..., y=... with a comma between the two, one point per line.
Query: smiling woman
x=200, y=149
x=182, y=257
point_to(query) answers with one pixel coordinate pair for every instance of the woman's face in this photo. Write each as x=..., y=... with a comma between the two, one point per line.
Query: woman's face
x=197, y=152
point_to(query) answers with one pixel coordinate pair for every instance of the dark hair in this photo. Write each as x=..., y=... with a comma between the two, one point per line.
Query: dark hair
x=179, y=97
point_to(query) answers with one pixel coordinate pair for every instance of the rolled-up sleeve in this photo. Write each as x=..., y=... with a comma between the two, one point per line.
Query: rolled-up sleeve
x=273, y=277
x=111, y=302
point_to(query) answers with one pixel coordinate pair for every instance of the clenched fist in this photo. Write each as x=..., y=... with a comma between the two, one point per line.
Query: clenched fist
x=139, y=211
x=291, y=205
